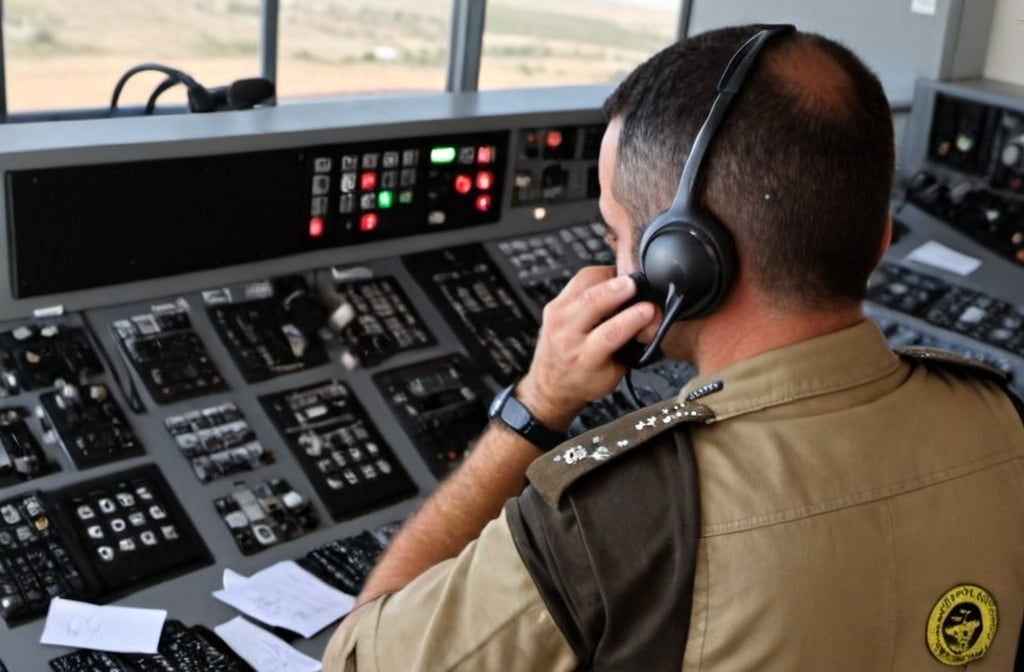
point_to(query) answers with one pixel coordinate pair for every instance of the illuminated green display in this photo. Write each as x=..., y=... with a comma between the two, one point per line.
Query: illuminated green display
x=442, y=154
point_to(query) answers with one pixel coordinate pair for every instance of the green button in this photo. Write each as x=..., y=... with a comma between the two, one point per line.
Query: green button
x=442, y=154
x=385, y=199
x=405, y=196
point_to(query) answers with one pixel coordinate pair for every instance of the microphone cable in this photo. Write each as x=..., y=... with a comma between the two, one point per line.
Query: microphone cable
x=163, y=86
x=174, y=76
x=634, y=396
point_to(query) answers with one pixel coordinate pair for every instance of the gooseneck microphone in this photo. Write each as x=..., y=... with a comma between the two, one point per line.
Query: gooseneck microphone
x=242, y=94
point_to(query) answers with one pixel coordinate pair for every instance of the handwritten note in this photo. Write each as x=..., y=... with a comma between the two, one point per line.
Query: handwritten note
x=118, y=629
x=262, y=650
x=288, y=596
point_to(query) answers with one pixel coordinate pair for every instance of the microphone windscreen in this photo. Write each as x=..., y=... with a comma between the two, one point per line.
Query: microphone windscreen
x=246, y=93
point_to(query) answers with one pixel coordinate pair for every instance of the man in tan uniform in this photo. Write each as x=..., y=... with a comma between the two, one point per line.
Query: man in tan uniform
x=858, y=509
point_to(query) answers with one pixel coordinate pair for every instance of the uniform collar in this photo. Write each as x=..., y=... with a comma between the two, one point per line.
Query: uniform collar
x=838, y=361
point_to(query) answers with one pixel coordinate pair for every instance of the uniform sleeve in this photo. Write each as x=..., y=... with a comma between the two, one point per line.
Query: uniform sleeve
x=477, y=611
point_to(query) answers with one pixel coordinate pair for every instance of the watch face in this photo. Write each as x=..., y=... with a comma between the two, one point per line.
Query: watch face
x=516, y=415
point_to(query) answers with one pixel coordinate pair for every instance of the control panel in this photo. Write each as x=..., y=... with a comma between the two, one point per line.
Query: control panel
x=181, y=649
x=479, y=303
x=270, y=328
x=217, y=441
x=952, y=277
x=442, y=405
x=167, y=354
x=282, y=365
x=94, y=540
x=364, y=192
x=338, y=447
x=274, y=204
x=375, y=319
x=970, y=323
x=556, y=164
x=971, y=174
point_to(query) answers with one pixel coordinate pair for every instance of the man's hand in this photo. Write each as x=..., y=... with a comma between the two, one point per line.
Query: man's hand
x=573, y=363
x=571, y=367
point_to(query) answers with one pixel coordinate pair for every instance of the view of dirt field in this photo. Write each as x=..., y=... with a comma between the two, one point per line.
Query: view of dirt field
x=70, y=53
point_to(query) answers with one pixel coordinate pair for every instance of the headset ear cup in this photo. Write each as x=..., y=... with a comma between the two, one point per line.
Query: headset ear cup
x=693, y=255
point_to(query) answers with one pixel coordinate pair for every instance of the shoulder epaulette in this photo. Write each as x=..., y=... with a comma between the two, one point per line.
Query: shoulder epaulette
x=552, y=473
x=953, y=360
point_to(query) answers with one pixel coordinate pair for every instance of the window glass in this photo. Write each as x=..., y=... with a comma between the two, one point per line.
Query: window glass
x=64, y=54
x=543, y=43
x=366, y=46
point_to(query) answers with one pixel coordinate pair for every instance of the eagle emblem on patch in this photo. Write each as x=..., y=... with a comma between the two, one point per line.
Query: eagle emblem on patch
x=962, y=624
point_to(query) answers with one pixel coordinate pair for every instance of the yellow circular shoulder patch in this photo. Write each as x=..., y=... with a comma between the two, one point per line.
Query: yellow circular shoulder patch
x=962, y=625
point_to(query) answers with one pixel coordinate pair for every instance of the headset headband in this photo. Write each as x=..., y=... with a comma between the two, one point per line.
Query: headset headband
x=730, y=83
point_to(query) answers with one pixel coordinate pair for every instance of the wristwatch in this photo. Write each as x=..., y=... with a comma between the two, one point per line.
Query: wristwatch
x=517, y=417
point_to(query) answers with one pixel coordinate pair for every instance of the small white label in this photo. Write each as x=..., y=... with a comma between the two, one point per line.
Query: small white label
x=938, y=255
x=49, y=311
x=259, y=290
x=216, y=297
x=923, y=7
x=340, y=274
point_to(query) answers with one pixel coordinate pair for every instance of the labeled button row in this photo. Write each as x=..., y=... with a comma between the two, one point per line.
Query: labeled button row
x=389, y=159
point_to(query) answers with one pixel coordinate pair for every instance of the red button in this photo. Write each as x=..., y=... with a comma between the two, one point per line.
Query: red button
x=483, y=202
x=316, y=227
x=368, y=181
x=553, y=139
x=484, y=154
x=463, y=183
x=484, y=180
x=368, y=222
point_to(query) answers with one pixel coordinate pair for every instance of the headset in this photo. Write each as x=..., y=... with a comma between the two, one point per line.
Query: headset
x=686, y=256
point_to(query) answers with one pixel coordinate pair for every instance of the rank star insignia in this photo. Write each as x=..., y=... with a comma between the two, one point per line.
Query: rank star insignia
x=572, y=455
x=575, y=454
x=962, y=624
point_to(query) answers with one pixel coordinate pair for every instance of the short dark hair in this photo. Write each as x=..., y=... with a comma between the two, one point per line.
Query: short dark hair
x=800, y=173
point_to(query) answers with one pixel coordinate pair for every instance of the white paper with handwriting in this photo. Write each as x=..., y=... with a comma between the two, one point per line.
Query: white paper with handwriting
x=287, y=596
x=88, y=626
x=262, y=650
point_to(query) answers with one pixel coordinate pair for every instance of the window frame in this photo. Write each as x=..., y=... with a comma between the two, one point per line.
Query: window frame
x=465, y=51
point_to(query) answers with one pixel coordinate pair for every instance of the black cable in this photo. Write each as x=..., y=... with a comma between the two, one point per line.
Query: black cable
x=634, y=396
x=132, y=393
x=172, y=73
x=161, y=87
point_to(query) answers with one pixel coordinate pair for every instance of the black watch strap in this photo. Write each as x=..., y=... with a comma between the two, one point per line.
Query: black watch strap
x=517, y=417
